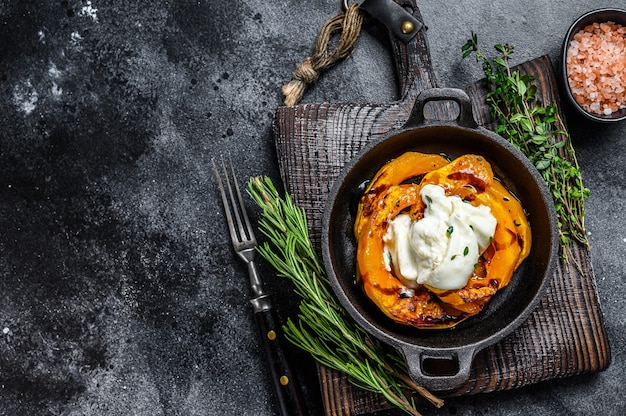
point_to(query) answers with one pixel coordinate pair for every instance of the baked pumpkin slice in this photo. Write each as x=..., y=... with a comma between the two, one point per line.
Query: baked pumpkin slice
x=433, y=253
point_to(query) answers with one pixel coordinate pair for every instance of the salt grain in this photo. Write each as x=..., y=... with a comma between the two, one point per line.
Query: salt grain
x=596, y=60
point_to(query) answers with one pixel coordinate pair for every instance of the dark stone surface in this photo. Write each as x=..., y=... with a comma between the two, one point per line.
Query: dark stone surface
x=119, y=291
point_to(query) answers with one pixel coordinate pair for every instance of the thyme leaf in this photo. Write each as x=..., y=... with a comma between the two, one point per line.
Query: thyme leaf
x=539, y=132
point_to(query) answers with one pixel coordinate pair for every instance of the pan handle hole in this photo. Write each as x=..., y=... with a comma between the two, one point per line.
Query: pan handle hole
x=440, y=366
x=441, y=110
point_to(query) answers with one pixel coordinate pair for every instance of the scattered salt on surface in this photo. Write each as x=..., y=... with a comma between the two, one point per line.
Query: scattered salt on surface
x=596, y=63
x=90, y=11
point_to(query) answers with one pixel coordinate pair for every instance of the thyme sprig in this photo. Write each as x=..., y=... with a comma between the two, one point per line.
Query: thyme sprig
x=323, y=328
x=540, y=133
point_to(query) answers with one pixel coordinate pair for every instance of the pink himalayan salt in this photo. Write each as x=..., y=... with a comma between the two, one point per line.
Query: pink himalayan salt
x=596, y=62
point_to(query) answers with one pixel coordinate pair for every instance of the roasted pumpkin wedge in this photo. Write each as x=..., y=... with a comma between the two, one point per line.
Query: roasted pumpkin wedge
x=404, y=167
x=469, y=177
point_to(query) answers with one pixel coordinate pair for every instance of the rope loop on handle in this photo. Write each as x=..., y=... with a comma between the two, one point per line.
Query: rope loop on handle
x=348, y=23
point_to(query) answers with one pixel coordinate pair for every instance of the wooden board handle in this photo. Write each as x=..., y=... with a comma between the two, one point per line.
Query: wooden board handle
x=413, y=64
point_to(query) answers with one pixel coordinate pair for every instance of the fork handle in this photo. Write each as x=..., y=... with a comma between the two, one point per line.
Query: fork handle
x=288, y=394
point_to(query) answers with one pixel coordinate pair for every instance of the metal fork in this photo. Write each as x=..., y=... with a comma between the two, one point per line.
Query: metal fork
x=288, y=394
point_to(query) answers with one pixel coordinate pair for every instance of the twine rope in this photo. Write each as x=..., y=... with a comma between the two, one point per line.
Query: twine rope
x=349, y=23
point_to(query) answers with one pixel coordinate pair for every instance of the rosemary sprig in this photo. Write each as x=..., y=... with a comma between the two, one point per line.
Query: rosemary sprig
x=540, y=133
x=323, y=328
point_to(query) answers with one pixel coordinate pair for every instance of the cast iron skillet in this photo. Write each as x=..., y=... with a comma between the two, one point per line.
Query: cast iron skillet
x=441, y=359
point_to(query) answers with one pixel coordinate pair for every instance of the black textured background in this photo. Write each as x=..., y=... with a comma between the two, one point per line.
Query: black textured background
x=119, y=291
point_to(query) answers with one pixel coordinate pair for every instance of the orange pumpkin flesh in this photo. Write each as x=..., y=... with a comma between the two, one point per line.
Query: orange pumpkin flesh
x=404, y=167
x=469, y=177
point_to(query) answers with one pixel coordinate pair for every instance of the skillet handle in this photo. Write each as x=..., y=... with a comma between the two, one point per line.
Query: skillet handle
x=465, y=117
x=439, y=370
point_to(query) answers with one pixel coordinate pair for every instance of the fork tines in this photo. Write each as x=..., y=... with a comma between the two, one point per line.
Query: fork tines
x=235, y=207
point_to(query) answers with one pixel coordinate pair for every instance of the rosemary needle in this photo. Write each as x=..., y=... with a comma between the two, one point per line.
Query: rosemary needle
x=323, y=328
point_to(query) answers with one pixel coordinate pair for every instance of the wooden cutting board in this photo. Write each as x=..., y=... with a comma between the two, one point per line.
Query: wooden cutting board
x=564, y=336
